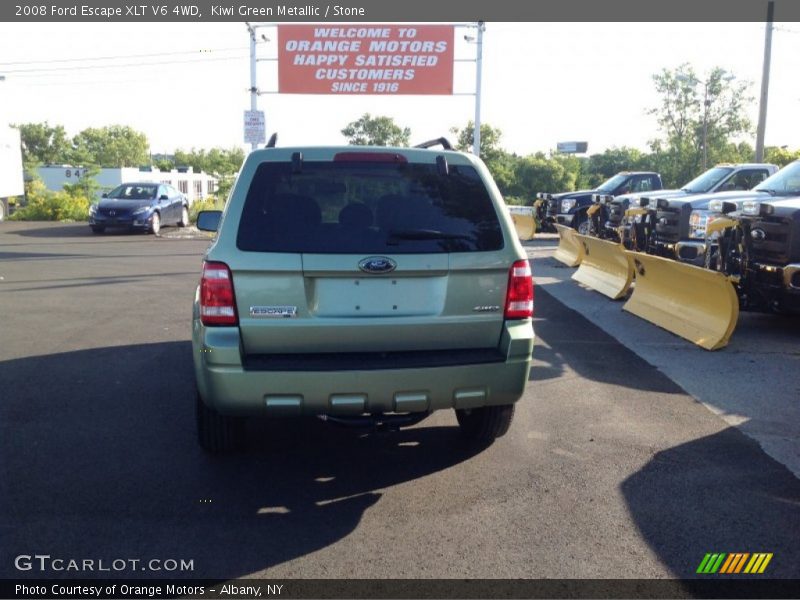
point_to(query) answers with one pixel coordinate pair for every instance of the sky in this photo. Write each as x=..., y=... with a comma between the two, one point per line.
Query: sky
x=185, y=84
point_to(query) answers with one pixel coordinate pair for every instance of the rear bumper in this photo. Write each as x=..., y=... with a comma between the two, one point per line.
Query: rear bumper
x=227, y=385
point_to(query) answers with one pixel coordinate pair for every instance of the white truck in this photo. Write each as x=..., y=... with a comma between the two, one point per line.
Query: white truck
x=11, y=178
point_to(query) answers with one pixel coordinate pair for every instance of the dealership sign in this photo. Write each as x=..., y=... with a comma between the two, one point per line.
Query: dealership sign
x=365, y=59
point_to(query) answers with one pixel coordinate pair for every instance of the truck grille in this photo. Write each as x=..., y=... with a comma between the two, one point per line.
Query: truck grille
x=672, y=224
x=615, y=213
x=778, y=246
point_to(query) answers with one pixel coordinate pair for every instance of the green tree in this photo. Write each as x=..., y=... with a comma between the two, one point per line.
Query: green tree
x=44, y=144
x=780, y=156
x=692, y=111
x=221, y=163
x=537, y=173
x=376, y=131
x=500, y=163
x=86, y=186
x=490, y=141
x=111, y=146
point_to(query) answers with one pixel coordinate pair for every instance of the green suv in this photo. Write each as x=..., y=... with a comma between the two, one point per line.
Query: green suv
x=362, y=285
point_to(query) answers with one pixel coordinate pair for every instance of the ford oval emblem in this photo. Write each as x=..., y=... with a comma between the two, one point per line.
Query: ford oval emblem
x=377, y=264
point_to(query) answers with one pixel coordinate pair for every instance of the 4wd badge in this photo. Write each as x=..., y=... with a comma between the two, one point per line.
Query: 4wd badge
x=377, y=264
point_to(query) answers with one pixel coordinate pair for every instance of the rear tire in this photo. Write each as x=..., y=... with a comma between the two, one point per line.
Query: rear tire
x=485, y=424
x=184, y=217
x=216, y=433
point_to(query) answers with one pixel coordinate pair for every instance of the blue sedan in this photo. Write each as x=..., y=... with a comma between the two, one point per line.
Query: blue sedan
x=145, y=206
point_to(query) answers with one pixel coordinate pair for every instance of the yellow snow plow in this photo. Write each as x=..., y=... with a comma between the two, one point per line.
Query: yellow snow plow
x=697, y=304
x=569, y=251
x=605, y=267
x=524, y=221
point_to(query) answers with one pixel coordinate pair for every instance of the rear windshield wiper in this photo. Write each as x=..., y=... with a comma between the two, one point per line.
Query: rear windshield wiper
x=425, y=234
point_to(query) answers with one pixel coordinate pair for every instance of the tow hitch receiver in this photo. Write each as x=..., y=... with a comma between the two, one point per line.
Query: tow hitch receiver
x=379, y=422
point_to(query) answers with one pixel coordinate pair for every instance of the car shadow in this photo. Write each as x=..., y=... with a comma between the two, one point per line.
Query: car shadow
x=710, y=495
x=69, y=230
x=588, y=350
x=100, y=460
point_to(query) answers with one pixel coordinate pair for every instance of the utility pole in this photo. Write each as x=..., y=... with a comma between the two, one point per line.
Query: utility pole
x=762, y=109
x=253, y=86
x=476, y=135
x=706, y=103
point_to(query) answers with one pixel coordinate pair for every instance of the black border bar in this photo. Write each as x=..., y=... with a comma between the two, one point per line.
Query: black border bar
x=389, y=589
x=423, y=11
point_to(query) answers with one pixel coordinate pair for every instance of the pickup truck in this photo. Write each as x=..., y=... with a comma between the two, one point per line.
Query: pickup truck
x=760, y=247
x=722, y=177
x=680, y=222
x=570, y=208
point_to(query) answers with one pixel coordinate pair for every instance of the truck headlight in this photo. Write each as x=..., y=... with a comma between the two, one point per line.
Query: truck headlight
x=141, y=211
x=566, y=205
x=92, y=209
x=755, y=208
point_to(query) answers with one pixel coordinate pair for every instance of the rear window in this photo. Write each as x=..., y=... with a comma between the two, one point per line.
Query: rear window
x=367, y=208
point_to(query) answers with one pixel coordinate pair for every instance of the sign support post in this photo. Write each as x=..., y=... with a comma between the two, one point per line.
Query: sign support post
x=476, y=136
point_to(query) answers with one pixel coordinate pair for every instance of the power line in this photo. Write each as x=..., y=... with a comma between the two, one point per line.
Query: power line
x=118, y=57
x=28, y=72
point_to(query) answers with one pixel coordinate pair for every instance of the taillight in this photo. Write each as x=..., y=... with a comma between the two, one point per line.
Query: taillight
x=519, y=299
x=217, y=302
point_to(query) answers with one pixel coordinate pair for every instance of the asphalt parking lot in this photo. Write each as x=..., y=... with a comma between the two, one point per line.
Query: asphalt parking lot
x=632, y=453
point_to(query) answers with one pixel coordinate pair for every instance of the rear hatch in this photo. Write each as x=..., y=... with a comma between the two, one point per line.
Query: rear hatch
x=369, y=252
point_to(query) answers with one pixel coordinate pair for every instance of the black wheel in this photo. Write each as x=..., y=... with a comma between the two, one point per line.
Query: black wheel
x=218, y=434
x=98, y=228
x=184, y=217
x=155, y=223
x=583, y=225
x=486, y=423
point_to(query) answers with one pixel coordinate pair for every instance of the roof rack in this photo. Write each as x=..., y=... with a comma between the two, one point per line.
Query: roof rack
x=442, y=141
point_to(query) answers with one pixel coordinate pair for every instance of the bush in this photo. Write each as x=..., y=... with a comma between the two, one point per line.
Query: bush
x=206, y=204
x=44, y=205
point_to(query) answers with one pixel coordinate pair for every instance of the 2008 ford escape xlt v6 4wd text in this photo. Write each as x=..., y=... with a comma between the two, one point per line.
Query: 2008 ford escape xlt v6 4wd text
x=361, y=284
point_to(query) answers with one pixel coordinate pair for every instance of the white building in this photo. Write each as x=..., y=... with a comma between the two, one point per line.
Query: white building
x=11, y=183
x=195, y=186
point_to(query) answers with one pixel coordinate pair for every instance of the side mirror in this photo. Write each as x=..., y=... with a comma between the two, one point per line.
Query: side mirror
x=163, y=197
x=208, y=220
x=105, y=195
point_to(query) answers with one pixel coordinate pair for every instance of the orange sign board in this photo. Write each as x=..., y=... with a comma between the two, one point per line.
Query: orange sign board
x=365, y=59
